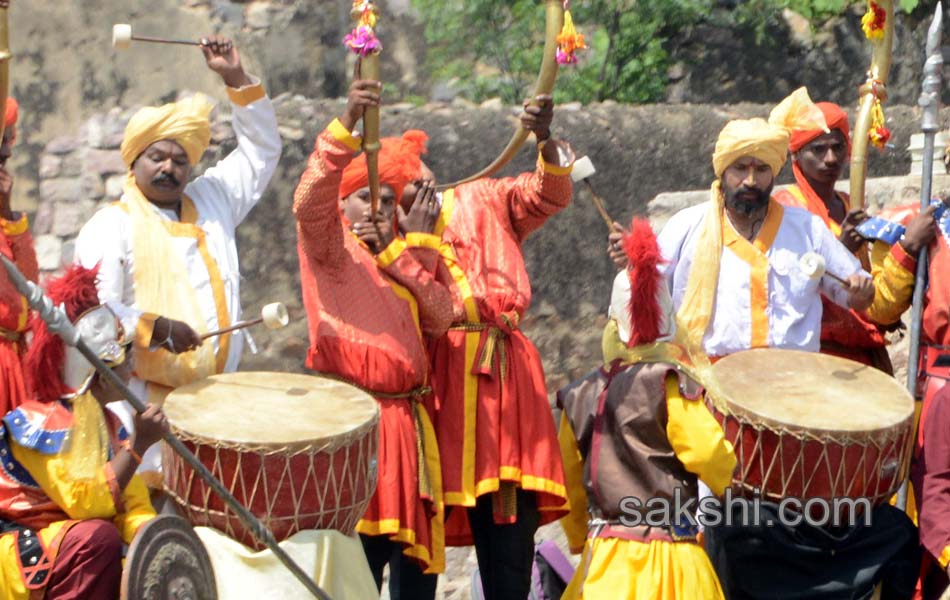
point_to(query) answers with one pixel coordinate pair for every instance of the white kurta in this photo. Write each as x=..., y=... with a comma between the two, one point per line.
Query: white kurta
x=793, y=307
x=223, y=196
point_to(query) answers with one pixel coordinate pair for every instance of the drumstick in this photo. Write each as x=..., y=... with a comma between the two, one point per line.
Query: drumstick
x=812, y=265
x=273, y=315
x=581, y=171
x=57, y=321
x=122, y=37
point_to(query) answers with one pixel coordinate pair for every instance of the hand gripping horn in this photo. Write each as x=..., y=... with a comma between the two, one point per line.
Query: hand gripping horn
x=545, y=85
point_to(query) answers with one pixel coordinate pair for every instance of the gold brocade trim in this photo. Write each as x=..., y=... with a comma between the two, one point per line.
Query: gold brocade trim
x=18, y=227
x=494, y=344
x=188, y=228
x=470, y=381
x=754, y=254
x=24, y=314
x=246, y=95
x=340, y=134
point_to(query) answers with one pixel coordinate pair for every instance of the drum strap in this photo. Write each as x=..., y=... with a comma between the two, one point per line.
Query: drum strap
x=415, y=396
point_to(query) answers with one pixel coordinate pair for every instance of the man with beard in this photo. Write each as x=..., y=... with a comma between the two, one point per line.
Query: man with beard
x=734, y=271
x=818, y=159
x=733, y=262
x=169, y=261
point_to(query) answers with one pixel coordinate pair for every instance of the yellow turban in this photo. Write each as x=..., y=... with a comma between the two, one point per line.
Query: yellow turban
x=767, y=140
x=185, y=122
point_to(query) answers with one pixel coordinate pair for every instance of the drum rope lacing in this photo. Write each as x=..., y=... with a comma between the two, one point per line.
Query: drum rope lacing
x=890, y=449
x=416, y=395
x=315, y=497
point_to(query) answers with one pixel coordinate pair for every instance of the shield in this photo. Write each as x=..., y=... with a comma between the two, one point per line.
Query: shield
x=167, y=561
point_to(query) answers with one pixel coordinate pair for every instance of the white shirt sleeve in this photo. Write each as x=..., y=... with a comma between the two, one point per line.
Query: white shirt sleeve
x=103, y=241
x=838, y=260
x=240, y=179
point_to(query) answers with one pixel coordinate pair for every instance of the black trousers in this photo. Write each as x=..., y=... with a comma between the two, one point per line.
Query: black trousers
x=406, y=579
x=505, y=552
x=783, y=562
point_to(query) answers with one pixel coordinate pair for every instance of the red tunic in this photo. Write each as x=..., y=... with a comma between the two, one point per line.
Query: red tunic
x=930, y=469
x=493, y=418
x=365, y=314
x=16, y=243
x=844, y=332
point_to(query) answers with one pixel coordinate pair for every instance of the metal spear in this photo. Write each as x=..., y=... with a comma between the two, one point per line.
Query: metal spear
x=929, y=102
x=57, y=322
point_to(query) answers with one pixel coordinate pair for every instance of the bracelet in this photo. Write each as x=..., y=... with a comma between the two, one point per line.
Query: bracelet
x=135, y=456
x=168, y=338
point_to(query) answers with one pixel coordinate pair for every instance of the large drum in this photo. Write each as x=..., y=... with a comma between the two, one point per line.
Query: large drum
x=298, y=451
x=808, y=425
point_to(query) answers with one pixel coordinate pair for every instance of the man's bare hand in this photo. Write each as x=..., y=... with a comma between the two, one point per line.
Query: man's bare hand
x=4, y=3
x=150, y=427
x=223, y=58
x=377, y=240
x=615, y=246
x=920, y=231
x=174, y=336
x=364, y=93
x=424, y=211
x=849, y=235
x=860, y=292
x=537, y=118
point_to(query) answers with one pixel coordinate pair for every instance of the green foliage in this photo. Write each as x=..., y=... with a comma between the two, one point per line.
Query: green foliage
x=493, y=47
x=489, y=48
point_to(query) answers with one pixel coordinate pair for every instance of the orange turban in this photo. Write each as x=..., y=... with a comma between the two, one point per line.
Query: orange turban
x=400, y=160
x=835, y=117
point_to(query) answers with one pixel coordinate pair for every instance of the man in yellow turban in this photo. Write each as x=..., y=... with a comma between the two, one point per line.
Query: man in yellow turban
x=734, y=262
x=735, y=272
x=169, y=261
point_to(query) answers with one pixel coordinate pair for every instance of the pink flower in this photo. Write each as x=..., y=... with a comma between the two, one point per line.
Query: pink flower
x=363, y=41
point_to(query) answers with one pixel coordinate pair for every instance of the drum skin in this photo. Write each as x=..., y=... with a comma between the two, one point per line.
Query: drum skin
x=807, y=425
x=297, y=451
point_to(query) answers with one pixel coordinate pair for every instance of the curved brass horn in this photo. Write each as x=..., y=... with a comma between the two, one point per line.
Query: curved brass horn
x=545, y=85
x=872, y=90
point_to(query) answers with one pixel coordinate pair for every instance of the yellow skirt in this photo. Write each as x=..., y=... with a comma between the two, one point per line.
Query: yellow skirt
x=627, y=570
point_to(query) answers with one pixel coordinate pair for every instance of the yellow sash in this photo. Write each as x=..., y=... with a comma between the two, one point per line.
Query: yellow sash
x=696, y=309
x=162, y=287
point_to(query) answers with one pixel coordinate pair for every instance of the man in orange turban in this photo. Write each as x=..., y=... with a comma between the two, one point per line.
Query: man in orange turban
x=369, y=300
x=502, y=472
x=16, y=243
x=818, y=160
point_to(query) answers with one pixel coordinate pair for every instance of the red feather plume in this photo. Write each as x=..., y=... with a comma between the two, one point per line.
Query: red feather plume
x=76, y=291
x=643, y=256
